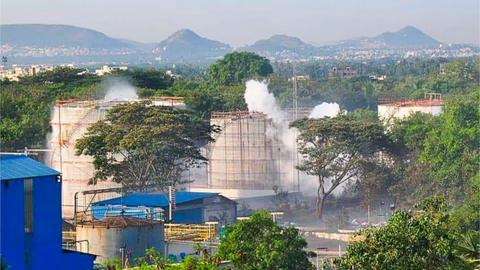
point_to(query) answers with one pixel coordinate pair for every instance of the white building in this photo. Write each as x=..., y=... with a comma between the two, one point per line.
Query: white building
x=107, y=70
x=389, y=110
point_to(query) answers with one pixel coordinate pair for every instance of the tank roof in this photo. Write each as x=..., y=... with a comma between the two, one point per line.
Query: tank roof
x=111, y=103
x=119, y=222
x=411, y=103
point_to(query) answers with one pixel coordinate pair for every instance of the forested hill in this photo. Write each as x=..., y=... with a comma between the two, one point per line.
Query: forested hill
x=51, y=35
x=408, y=37
x=186, y=44
x=281, y=44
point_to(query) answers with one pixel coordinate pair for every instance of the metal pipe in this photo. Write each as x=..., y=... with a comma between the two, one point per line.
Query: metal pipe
x=75, y=202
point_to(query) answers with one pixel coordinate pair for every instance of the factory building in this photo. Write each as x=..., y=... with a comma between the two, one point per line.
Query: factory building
x=389, y=110
x=70, y=120
x=30, y=219
x=191, y=207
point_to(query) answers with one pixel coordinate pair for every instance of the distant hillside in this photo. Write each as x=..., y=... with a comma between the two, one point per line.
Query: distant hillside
x=281, y=45
x=406, y=38
x=49, y=35
x=187, y=45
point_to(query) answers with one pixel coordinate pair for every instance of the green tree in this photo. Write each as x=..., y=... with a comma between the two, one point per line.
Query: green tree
x=237, y=67
x=139, y=145
x=336, y=150
x=421, y=239
x=452, y=149
x=150, y=78
x=260, y=244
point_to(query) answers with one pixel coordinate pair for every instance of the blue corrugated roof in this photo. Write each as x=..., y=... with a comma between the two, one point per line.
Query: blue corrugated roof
x=155, y=199
x=20, y=166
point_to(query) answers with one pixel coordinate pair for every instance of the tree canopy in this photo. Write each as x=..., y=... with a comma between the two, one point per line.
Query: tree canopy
x=237, y=67
x=418, y=239
x=338, y=149
x=139, y=145
x=260, y=244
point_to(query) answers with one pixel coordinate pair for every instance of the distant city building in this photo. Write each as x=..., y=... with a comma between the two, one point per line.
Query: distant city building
x=345, y=73
x=31, y=218
x=375, y=77
x=16, y=72
x=299, y=78
x=389, y=110
x=107, y=70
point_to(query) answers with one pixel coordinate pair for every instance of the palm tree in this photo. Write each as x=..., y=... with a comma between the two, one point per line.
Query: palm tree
x=468, y=249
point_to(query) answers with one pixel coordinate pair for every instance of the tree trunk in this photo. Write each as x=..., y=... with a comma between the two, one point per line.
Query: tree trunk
x=320, y=205
x=320, y=197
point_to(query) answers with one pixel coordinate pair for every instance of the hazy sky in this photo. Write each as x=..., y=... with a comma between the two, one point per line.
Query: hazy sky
x=240, y=22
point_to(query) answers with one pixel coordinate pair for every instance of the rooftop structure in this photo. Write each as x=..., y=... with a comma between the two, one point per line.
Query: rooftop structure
x=389, y=110
x=191, y=207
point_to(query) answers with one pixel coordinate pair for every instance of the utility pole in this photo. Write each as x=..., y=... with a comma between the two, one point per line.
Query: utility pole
x=295, y=117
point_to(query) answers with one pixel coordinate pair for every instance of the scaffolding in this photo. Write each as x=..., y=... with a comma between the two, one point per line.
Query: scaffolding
x=248, y=153
x=70, y=120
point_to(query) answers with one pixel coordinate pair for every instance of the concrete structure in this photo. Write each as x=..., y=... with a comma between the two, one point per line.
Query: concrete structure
x=389, y=110
x=121, y=237
x=70, y=120
x=191, y=207
x=345, y=73
x=30, y=218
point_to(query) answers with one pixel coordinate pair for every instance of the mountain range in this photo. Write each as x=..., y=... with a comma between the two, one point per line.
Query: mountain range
x=185, y=45
x=50, y=35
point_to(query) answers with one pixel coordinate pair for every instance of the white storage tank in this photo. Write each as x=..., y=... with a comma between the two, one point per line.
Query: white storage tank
x=120, y=237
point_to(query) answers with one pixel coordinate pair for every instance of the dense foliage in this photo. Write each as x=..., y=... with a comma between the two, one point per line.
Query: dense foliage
x=237, y=67
x=260, y=244
x=441, y=154
x=418, y=239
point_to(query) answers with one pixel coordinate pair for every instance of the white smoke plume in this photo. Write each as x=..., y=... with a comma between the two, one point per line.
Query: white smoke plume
x=324, y=109
x=259, y=99
x=118, y=89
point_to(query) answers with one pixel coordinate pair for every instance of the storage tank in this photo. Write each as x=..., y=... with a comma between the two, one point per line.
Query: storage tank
x=114, y=237
x=70, y=120
x=246, y=154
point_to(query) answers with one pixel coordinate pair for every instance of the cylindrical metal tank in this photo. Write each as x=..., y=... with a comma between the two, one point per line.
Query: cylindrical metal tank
x=246, y=154
x=112, y=236
x=70, y=120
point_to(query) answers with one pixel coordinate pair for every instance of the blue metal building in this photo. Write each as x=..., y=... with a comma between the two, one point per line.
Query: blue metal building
x=191, y=207
x=30, y=217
